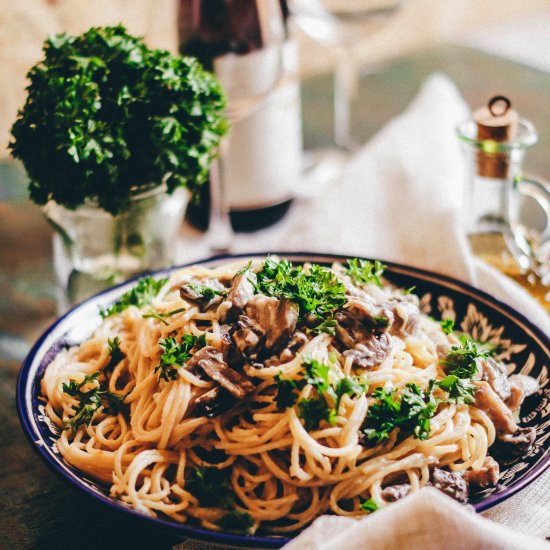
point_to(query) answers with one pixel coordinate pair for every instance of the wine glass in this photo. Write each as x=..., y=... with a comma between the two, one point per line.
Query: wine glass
x=341, y=24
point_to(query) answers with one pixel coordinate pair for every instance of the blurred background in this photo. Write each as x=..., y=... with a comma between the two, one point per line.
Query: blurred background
x=513, y=29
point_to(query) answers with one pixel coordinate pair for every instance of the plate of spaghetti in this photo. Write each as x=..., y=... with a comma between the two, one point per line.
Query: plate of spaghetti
x=239, y=398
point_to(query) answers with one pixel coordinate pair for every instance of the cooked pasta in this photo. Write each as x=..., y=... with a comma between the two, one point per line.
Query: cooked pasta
x=260, y=395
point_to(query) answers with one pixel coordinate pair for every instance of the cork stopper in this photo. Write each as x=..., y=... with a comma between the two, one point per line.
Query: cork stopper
x=498, y=122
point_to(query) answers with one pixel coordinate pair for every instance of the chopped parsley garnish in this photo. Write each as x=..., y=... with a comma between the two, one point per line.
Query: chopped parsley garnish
x=73, y=387
x=409, y=290
x=366, y=272
x=368, y=505
x=410, y=410
x=328, y=326
x=350, y=385
x=323, y=406
x=317, y=291
x=447, y=325
x=90, y=401
x=115, y=352
x=287, y=391
x=177, y=354
x=152, y=314
x=460, y=390
x=237, y=522
x=210, y=487
x=381, y=321
x=313, y=410
x=206, y=291
x=141, y=295
x=462, y=359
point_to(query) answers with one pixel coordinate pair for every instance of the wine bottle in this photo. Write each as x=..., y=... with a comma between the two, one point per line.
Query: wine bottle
x=247, y=44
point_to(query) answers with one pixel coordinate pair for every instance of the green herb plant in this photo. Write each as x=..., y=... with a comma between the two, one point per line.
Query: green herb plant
x=107, y=117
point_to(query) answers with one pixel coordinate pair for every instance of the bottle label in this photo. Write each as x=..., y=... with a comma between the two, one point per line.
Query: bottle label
x=262, y=163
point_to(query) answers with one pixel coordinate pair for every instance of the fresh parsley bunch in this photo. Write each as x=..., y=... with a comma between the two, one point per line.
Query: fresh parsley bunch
x=107, y=117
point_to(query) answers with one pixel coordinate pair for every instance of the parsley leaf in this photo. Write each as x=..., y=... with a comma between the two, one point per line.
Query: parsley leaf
x=410, y=410
x=316, y=374
x=141, y=295
x=462, y=359
x=366, y=272
x=287, y=391
x=328, y=326
x=460, y=390
x=370, y=505
x=210, y=487
x=381, y=321
x=313, y=410
x=351, y=386
x=74, y=387
x=175, y=355
x=237, y=522
x=205, y=291
x=115, y=352
x=153, y=314
x=447, y=325
x=316, y=408
x=91, y=400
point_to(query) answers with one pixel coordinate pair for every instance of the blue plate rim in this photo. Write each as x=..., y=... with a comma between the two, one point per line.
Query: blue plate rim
x=240, y=540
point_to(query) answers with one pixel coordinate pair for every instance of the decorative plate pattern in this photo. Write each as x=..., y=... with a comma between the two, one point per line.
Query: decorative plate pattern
x=523, y=346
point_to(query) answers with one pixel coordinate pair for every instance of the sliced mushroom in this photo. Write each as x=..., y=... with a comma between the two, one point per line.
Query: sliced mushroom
x=360, y=316
x=190, y=291
x=372, y=352
x=406, y=316
x=488, y=401
x=395, y=492
x=519, y=442
x=214, y=402
x=450, y=483
x=242, y=289
x=296, y=343
x=247, y=335
x=231, y=354
x=277, y=318
x=211, y=362
x=493, y=372
x=521, y=386
x=362, y=331
x=486, y=476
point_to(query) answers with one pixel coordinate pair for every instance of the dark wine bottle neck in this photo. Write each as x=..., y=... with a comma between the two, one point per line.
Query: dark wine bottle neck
x=212, y=28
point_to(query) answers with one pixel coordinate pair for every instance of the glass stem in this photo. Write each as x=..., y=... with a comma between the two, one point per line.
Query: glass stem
x=345, y=88
x=220, y=230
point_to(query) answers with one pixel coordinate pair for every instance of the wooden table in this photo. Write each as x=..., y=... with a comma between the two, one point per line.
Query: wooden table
x=37, y=509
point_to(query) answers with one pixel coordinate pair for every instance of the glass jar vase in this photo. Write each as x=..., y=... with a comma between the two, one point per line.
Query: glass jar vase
x=93, y=249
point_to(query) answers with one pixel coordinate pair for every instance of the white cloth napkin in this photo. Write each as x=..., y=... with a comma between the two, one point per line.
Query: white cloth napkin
x=426, y=520
x=400, y=199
